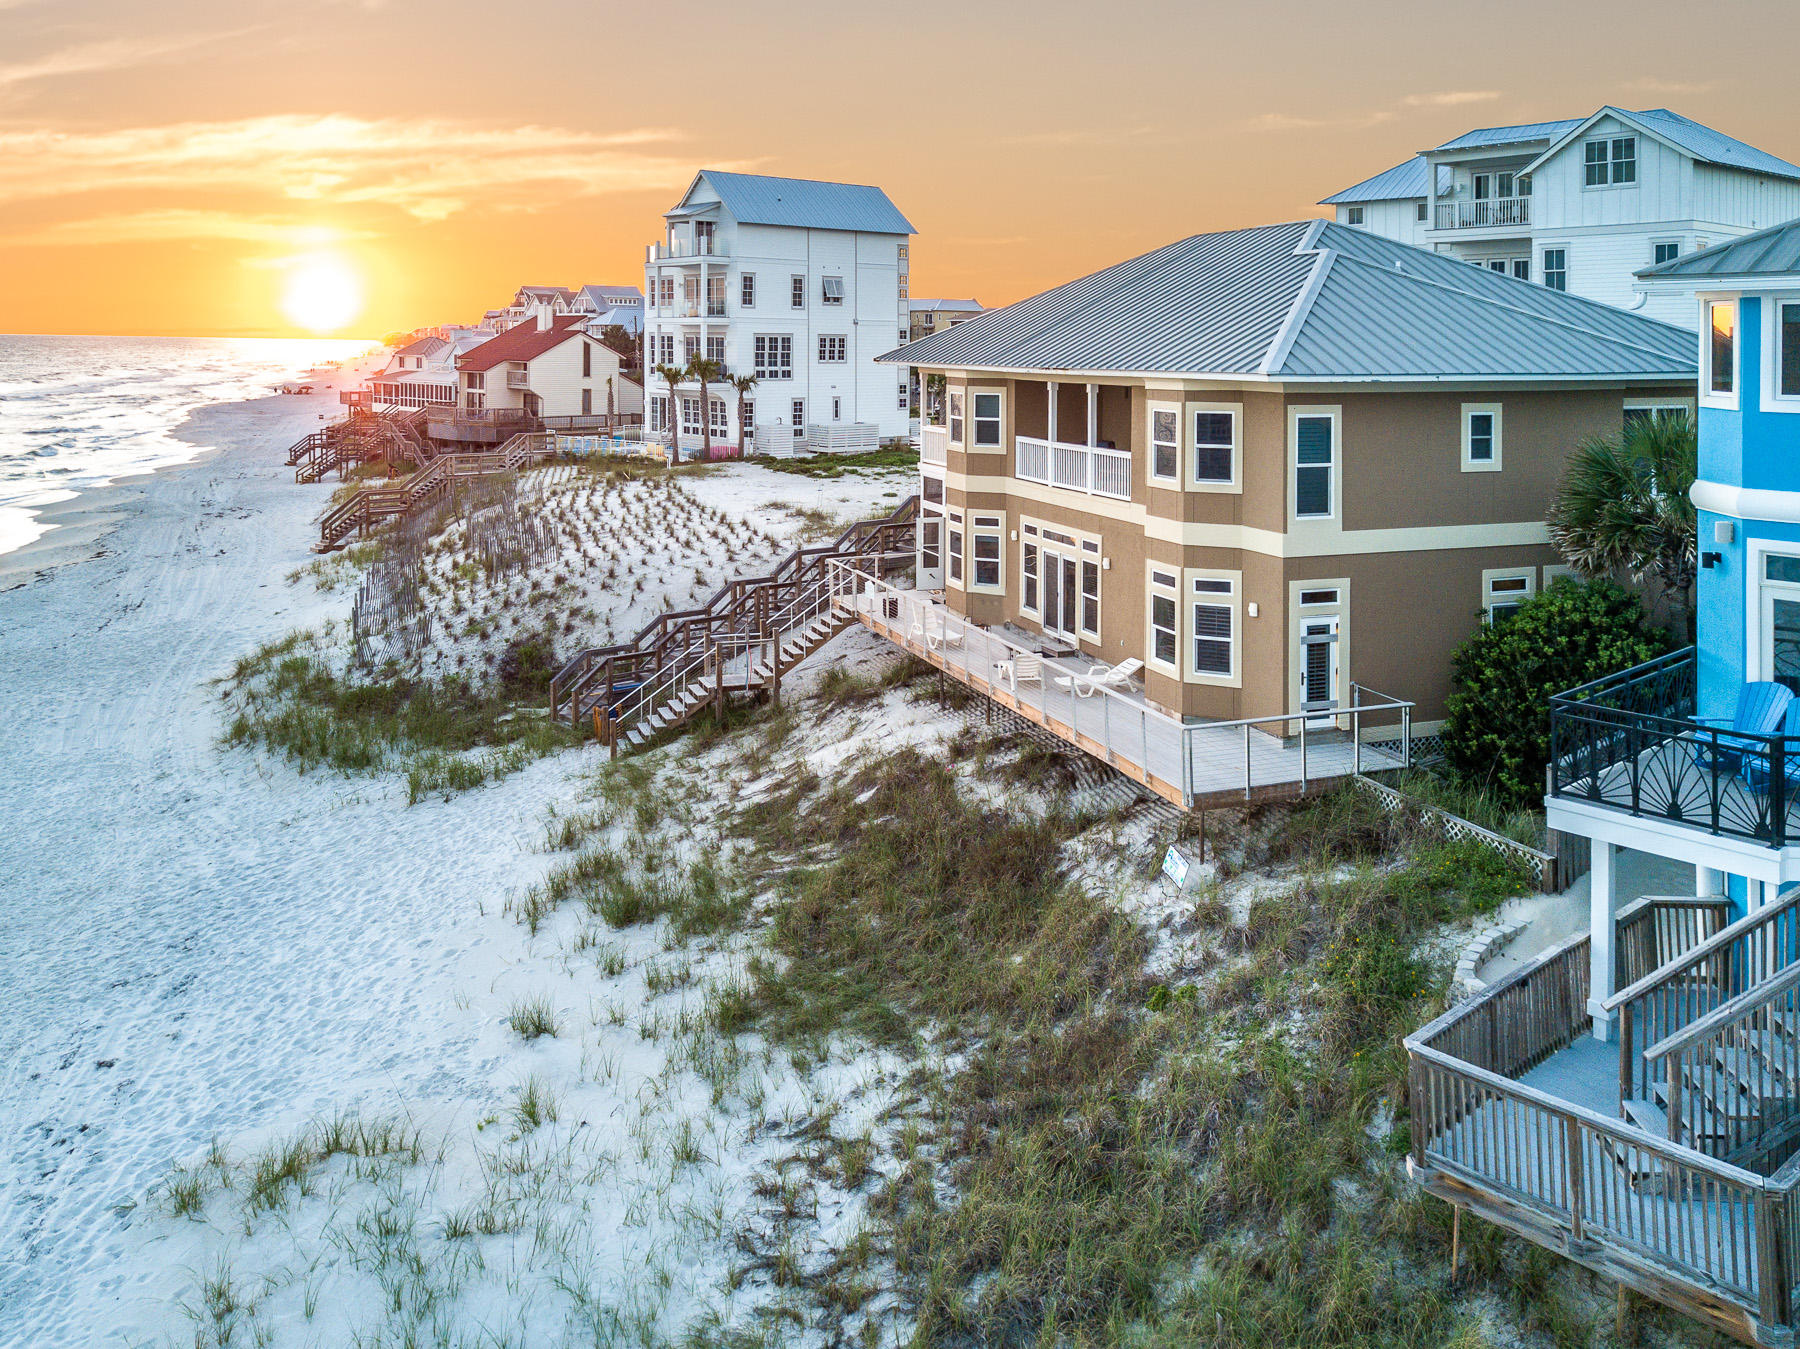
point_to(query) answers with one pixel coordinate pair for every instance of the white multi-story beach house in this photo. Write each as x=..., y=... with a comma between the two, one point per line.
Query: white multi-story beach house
x=1580, y=204
x=799, y=283
x=606, y=306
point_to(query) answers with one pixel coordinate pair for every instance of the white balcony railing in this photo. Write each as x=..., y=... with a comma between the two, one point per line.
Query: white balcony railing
x=934, y=444
x=1093, y=469
x=1493, y=213
x=518, y=379
x=683, y=249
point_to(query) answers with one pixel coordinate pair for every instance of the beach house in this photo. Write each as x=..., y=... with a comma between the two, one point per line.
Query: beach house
x=548, y=374
x=1629, y=1097
x=1266, y=471
x=800, y=284
x=609, y=306
x=1580, y=204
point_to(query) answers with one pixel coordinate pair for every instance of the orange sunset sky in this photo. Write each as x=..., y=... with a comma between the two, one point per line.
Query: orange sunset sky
x=168, y=168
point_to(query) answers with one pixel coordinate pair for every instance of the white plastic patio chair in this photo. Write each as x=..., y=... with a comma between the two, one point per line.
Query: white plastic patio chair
x=1023, y=668
x=1100, y=677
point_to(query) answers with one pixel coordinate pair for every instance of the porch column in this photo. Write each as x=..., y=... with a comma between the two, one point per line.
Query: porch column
x=1602, y=917
x=1756, y=895
x=1708, y=882
x=1050, y=391
x=1093, y=417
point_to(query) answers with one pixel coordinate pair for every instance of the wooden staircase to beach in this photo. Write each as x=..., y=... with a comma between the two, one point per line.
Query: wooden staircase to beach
x=374, y=505
x=742, y=641
x=397, y=436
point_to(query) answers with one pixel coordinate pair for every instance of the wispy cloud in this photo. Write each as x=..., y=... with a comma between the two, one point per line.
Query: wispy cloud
x=1450, y=98
x=95, y=57
x=427, y=168
x=185, y=224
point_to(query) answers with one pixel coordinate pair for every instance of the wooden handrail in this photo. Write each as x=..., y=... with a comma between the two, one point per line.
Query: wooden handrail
x=1725, y=1013
x=1717, y=942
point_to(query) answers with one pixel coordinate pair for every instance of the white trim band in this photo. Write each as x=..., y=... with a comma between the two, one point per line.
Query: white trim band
x=1746, y=503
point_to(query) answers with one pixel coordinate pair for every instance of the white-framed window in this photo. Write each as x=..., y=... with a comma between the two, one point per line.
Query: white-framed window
x=953, y=546
x=774, y=355
x=986, y=407
x=832, y=348
x=690, y=347
x=1642, y=410
x=1315, y=596
x=1090, y=589
x=1521, y=269
x=1313, y=460
x=1781, y=378
x=659, y=413
x=1718, y=354
x=1215, y=446
x=831, y=290
x=1481, y=437
x=1420, y=212
x=797, y=293
x=798, y=408
x=1556, y=268
x=1214, y=627
x=1028, y=571
x=690, y=416
x=905, y=396
x=1664, y=251
x=749, y=414
x=1164, y=609
x=1165, y=443
x=986, y=533
x=668, y=289
x=719, y=416
x=1556, y=571
x=476, y=381
x=956, y=416
x=1503, y=590
x=1353, y=216
x=715, y=347
x=747, y=291
x=1610, y=161
x=837, y=409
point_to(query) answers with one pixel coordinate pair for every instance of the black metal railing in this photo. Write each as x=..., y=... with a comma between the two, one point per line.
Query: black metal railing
x=1632, y=742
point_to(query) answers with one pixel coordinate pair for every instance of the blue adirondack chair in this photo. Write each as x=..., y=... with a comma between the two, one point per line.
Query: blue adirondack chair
x=1761, y=710
x=1756, y=771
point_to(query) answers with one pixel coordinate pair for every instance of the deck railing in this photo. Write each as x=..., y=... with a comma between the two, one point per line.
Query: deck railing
x=934, y=444
x=1487, y=213
x=1631, y=742
x=1691, y=1229
x=1094, y=469
x=1687, y=988
x=1181, y=761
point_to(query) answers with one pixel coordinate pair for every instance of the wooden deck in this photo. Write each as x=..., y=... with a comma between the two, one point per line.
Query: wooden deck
x=1193, y=765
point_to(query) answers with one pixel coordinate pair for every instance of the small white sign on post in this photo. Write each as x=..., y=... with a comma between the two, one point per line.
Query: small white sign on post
x=1175, y=866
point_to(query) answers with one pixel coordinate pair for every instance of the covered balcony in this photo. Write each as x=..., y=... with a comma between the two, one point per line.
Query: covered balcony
x=1076, y=436
x=1483, y=213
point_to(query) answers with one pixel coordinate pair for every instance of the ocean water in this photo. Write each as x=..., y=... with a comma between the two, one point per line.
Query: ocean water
x=78, y=412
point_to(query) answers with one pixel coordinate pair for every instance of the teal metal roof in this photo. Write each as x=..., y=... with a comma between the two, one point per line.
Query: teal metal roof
x=1310, y=300
x=1400, y=183
x=757, y=200
x=1769, y=252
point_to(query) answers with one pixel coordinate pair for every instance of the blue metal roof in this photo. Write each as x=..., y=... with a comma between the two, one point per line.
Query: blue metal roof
x=1768, y=252
x=1400, y=183
x=1310, y=300
x=757, y=200
x=1715, y=146
x=1513, y=135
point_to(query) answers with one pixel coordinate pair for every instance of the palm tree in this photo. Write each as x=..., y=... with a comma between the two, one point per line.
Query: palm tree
x=743, y=384
x=703, y=371
x=672, y=375
x=1623, y=506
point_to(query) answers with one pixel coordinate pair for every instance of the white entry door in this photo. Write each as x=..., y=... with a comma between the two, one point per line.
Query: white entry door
x=1321, y=663
x=931, y=550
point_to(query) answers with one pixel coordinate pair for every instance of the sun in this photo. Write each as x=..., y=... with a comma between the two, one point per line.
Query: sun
x=323, y=294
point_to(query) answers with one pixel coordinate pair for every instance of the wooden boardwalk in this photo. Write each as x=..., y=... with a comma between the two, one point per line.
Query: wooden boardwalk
x=1193, y=765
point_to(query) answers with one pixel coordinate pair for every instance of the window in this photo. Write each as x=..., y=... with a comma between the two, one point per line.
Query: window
x=1504, y=592
x=690, y=416
x=831, y=289
x=837, y=409
x=798, y=407
x=1661, y=253
x=587, y=402
x=477, y=380
x=1028, y=572
x=1213, y=623
x=1556, y=268
x=1521, y=269
x=1311, y=597
x=832, y=349
x=587, y=361
x=954, y=546
x=659, y=413
x=1787, y=350
x=1215, y=437
x=956, y=417
x=1497, y=265
x=1721, y=363
x=747, y=291
x=987, y=420
x=1610, y=162
x=1643, y=412
x=1090, y=597
x=798, y=293
x=987, y=550
x=1354, y=216
x=1165, y=642
x=749, y=413
x=718, y=416
x=1313, y=435
x=1419, y=209
x=1165, y=448
x=668, y=290
x=774, y=356
x=690, y=348
x=715, y=347
x=1480, y=437
x=905, y=397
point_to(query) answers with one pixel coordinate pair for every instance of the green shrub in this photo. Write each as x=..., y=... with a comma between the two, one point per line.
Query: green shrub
x=1497, y=725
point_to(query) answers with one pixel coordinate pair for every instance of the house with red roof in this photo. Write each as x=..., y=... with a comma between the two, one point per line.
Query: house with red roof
x=549, y=374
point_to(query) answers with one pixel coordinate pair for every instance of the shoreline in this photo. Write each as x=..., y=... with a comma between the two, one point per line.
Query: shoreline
x=80, y=526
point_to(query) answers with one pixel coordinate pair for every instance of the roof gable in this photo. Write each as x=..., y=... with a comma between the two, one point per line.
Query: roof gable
x=1681, y=134
x=1774, y=251
x=754, y=199
x=1309, y=300
x=525, y=342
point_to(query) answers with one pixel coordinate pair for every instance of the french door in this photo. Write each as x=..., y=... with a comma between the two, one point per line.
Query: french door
x=931, y=550
x=1781, y=621
x=1062, y=594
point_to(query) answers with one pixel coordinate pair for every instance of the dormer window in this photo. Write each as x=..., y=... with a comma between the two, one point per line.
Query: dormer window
x=1611, y=162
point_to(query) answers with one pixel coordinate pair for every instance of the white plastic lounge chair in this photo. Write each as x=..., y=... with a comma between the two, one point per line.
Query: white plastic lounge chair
x=1023, y=668
x=1100, y=677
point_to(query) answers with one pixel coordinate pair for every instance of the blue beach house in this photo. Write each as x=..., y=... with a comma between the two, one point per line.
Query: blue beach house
x=1631, y=1098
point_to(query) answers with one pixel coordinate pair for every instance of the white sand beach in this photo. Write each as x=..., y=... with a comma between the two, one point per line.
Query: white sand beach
x=202, y=944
